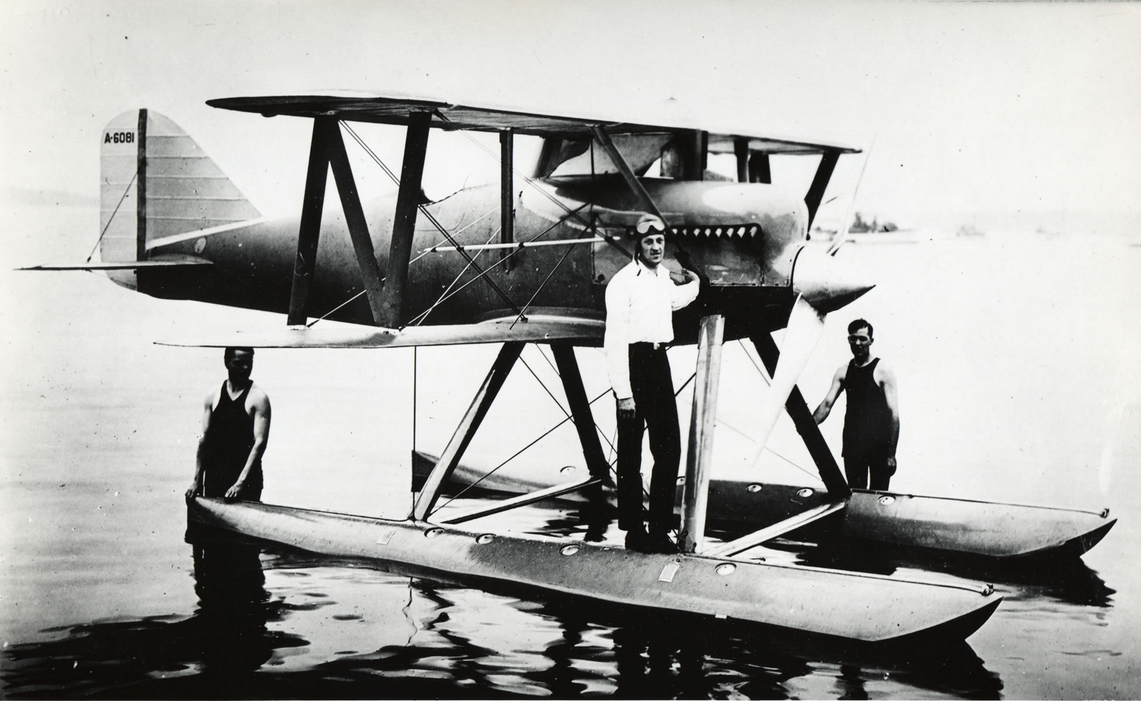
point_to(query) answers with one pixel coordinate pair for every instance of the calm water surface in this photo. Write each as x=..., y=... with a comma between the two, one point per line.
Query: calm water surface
x=1017, y=359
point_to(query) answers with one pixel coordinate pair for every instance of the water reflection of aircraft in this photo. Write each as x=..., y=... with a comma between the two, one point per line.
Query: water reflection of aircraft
x=175, y=227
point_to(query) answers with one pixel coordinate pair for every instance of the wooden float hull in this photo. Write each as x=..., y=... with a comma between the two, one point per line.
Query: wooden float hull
x=954, y=526
x=831, y=603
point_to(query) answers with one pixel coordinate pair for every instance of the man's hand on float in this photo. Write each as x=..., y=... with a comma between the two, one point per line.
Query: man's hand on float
x=234, y=491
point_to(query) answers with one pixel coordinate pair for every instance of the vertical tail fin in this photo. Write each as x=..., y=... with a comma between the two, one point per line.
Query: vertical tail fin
x=156, y=182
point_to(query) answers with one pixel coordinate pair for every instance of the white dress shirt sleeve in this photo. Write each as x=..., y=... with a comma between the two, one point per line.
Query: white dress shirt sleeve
x=683, y=295
x=615, y=340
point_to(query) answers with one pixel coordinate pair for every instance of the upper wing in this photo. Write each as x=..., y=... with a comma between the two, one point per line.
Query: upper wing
x=368, y=107
x=535, y=329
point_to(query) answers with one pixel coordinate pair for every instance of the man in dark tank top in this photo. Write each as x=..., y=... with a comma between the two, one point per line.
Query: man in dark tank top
x=235, y=432
x=871, y=422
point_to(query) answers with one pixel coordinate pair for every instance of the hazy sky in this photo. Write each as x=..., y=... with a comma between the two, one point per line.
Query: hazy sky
x=973, y=107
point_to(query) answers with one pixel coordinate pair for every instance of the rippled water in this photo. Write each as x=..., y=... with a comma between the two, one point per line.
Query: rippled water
x=1017, y=360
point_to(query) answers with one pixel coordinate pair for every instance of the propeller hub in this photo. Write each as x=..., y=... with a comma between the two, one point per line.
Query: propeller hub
x=825, y=282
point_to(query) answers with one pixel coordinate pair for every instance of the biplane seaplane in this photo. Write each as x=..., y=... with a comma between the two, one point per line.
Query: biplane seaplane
x=175, y=227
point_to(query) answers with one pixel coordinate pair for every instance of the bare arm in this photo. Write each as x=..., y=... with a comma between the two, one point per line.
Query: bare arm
x=260, y=411
x=834, y=391
x=891, y=396
x=207, y=411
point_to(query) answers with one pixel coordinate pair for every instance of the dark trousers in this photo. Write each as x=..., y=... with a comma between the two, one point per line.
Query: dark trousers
x=858, y=467
x=652, y=384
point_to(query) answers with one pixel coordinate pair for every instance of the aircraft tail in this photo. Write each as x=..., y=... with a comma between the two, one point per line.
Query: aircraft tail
x=156, y=183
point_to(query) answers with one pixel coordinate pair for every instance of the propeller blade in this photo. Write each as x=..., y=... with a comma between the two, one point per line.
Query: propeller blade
x=846, y=223
x=805, y=327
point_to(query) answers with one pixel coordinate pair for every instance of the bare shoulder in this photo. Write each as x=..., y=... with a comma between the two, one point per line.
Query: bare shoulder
x=257, y=399
x=212, y=398
x=884, y=371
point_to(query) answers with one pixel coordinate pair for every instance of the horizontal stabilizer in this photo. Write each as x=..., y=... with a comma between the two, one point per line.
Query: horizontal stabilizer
x=536, y=329
x=171, y=262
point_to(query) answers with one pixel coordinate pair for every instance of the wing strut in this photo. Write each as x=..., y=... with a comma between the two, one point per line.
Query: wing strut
x=806, y=426
x=404, y=225
x=452, y=454
x=506, y=193
x=741, y=151
x=326, y=151
x=699, y=460
x=639, y=191
x=815, y=193
x=627, y=173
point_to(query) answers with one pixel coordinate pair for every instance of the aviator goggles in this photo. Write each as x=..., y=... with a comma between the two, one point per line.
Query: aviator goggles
x=649, y=224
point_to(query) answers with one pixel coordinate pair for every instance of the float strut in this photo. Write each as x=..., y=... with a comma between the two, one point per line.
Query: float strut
x=699, y=460
x=580, y=412
x=466, y=430
x=806, y=426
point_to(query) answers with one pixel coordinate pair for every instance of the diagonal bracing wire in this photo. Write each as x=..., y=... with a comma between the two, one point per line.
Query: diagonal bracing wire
x=541, y=286
x=610, y=442
x=432, y=219
x=111, y=218
x=519, y=452
x=764, y=376
x=419, y=318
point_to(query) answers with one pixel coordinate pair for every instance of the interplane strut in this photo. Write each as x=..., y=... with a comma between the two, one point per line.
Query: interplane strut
x=328, y=151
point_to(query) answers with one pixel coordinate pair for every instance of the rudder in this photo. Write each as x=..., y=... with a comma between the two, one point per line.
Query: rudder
x=155, y=183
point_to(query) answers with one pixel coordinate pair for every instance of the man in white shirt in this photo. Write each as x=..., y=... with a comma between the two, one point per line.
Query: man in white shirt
x=640, y=301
